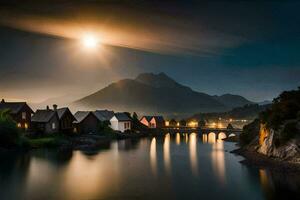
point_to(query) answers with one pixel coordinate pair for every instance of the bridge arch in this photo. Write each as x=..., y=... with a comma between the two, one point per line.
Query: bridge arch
x=211, y=137
x=222, y=136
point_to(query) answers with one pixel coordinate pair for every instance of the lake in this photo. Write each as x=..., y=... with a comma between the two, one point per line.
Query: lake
x=181, y=166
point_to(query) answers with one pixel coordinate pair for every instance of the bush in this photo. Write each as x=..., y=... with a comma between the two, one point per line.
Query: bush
x=250, y=132
x=9, y=133
x=104, y=127
x=289, y=131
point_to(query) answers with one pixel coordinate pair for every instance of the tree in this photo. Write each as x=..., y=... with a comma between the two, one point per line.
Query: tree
x=229, y=126
x=9, y=133
x=201, y=123
x=135, y=116
x=172, y=122
x=182, y=122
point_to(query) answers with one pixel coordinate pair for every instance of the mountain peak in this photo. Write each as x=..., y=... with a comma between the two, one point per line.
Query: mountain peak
x=160, y=80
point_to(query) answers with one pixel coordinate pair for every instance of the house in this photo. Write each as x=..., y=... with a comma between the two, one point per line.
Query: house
x=104, y=115
x=20, y=112
x=45, y=121
x=157, y=122
x=120, y=122
x=146, y=120
x=66, y=119
x=86, y=122
x=153, y=121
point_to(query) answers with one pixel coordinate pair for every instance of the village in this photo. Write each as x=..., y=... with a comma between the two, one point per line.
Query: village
x=61, y=120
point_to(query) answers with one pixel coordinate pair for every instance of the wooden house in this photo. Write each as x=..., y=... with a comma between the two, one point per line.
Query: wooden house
x=146, y=120
x=66, y=119
x=120, y=122
x=86, y=122
x=153, y=121
x=45, y=121
x=104, y=115
x=20, y=112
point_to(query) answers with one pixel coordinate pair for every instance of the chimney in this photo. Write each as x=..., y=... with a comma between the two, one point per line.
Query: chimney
x=55, y=107
x=2, y=101
x=47, y=108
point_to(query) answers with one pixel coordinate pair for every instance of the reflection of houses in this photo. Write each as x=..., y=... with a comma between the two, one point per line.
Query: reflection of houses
x=66, y=119
x=86, y=122
x=20, y=112
x=45, y=121
x=153, y=121
x=104, y=115
x=120, y=122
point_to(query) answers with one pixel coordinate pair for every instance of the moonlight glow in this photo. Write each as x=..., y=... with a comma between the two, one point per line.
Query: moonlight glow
x=90, y=41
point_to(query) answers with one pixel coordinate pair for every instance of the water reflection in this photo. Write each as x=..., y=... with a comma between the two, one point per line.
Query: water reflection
x=167, y=155
x=125, y=172
x=211, y=138
x=193, y=153
x=218, y=160
x=153, y=156
x=178, y=138
x=204, y=138
x=186, y=138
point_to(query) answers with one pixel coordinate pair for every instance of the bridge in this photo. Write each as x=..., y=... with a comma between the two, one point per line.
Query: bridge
x=203, y=131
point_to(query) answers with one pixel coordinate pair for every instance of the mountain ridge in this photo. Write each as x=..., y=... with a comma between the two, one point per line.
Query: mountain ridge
x=152, y=93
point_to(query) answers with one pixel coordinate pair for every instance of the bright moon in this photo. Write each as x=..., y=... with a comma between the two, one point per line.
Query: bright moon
x=90, y=41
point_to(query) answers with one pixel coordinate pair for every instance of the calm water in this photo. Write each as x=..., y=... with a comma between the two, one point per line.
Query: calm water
x=172, y=167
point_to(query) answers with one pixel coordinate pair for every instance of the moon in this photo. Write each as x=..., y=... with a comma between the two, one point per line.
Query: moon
x=89, y=41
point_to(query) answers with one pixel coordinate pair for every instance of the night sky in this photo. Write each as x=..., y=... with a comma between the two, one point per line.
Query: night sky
x=250, y=48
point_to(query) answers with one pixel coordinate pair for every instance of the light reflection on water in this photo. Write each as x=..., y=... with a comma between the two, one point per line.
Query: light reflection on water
x=151, y=168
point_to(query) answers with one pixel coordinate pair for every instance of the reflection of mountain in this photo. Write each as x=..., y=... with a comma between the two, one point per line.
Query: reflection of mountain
x=158, y=94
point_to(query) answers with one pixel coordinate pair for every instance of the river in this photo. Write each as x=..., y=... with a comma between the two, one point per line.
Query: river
x=181, y=166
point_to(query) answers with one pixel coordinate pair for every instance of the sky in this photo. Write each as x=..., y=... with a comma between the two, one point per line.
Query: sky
x=250, y=48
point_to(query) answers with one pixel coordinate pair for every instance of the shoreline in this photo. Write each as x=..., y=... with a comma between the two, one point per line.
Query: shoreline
x=255, y=159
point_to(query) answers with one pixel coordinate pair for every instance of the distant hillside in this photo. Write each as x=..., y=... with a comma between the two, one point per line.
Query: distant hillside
x=158, y=94
x=246, y=112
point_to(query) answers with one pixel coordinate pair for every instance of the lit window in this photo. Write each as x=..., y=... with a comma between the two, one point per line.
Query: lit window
x=26, y=126
x=53, y=125
x=23, y=115
x=19, y=125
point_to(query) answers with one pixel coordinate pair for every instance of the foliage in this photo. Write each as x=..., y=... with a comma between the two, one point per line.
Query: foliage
x=9, y=133
x=201, y=123
x=229, y=126
x=104, y=127
x=182, y=122
x=172, y=122
x=250, y=132
x=285, y=107
x=135, y=117
x=289, y=131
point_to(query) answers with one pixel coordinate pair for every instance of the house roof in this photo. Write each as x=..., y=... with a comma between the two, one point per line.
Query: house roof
x=62, y=111
x=43, y=116
x=159, y=118
x=14, y=107
x=81, y=115
x=148, y=118
x=104, y=115
x=122, y=117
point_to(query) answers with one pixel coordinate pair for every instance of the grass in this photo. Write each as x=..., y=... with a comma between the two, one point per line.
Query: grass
x=49, y=141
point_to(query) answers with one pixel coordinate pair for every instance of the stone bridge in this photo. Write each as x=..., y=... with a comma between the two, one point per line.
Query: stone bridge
x=219, y=132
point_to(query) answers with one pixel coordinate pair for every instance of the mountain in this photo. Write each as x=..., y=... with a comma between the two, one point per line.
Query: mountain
x=157, y=94
x=232, y=101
